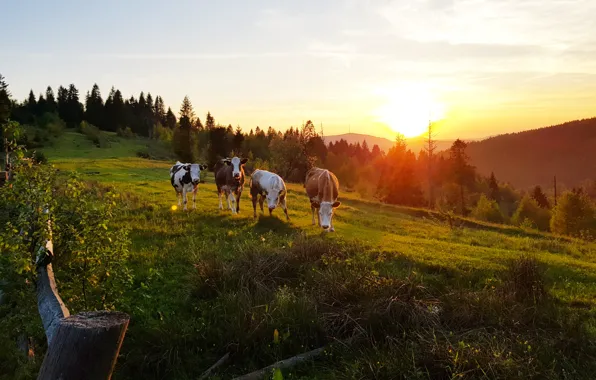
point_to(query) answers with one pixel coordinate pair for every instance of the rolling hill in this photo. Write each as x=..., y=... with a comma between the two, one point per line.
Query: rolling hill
x=416, y=144
x=395, y=293
x=534, y=157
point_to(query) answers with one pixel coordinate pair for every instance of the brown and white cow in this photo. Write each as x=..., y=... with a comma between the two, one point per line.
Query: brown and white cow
x=229, y=179
x=322, y=189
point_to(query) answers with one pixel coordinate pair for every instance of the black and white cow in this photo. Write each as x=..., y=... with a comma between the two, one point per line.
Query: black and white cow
x=185, y=178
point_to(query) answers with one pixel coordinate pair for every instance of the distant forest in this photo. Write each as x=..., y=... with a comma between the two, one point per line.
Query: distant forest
x=528, y=158
x=462, y=179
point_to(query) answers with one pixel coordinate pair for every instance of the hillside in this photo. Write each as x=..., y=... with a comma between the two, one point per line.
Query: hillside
x=412, y=296
x=416, y=144
x=533, y=157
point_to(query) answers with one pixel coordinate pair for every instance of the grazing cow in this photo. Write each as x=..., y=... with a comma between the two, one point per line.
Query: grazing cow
x=265, y=184
x=322, y=189
x=229, y=179
x=186, y=178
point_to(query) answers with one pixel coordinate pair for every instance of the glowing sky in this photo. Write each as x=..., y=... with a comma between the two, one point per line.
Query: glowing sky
x=487, y=67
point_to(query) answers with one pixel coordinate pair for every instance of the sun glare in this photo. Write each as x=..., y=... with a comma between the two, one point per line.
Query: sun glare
x=408, y=110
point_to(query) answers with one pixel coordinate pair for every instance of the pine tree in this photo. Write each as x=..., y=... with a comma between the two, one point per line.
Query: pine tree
x=182, y=138
x=63, y=103
x=42, y=106
x=238, y=140
x=494, y=188
x=210, y=122
x=160, y=111
x=118, y=112
x=31, y=107
x=462, y=172
x=170, y=119
x=94, y=108
x=74, y=107
x=5, y=108
x=540, y=198
x=51, y=105
x=198, y=125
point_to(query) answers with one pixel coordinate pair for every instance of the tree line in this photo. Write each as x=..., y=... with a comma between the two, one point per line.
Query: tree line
x=441, y=180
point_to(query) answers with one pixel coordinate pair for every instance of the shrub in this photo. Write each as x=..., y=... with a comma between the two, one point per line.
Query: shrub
x=573, y=215
x=126, y=132
x=52, y=123
x=94, y=134
x=528, y=213
x=162, y=133
x=487, y=210
x=524, y=279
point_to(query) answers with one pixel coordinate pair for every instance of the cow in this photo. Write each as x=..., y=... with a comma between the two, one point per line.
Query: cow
x=229, y=179
x=270, y=186
x=322, y=188
x=185, y=178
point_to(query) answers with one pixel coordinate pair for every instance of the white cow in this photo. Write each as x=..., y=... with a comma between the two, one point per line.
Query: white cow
x=185, y=178
x=265, y=184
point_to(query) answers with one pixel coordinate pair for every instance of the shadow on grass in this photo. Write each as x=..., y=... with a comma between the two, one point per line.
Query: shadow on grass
x=266, y=223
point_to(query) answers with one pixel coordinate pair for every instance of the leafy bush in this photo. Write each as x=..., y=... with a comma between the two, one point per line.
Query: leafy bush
x=94, y=134
x=528, y=213
x=487, y=210
x=162, y=133
x=126, y=132
x=574, y=215
x=52, y=123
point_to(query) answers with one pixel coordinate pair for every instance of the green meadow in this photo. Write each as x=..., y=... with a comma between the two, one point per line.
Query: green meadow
x=395, y=292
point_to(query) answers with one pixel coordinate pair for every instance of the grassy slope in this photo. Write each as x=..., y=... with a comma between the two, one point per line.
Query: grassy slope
x=172, y=335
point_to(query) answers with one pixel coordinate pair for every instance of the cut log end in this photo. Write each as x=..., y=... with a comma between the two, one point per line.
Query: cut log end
x=96, y=320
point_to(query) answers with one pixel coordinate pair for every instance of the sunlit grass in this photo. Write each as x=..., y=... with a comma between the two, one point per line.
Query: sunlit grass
x=209, y=282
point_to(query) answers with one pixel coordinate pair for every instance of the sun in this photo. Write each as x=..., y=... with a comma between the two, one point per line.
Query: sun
x=409, y=109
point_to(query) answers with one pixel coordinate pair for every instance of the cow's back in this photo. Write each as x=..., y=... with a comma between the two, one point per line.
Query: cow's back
x=311, y=183
x=221, y=170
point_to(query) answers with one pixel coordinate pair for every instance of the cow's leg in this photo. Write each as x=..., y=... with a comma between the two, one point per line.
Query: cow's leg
x=254, y=204
x=219, y=195
x=282, y=203
x=261, y=200
x=194, y=197
x=230, y=197
x=178, y=198
x=184, y=197
x=313, y=214
x=331, y=228
x=237, y=199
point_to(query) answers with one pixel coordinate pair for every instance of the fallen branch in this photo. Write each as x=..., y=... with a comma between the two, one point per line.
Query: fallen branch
x=283, y=364
x=214, y=366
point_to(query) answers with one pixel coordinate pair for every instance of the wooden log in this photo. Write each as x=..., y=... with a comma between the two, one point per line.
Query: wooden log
x=85, y=346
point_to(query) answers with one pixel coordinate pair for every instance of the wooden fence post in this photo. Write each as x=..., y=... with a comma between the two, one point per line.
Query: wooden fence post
x=85, y=346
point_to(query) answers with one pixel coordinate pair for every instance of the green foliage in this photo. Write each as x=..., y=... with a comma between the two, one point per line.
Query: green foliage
x=530, y=214
x=91, y=254
x=487, y=210
x=573, y=215
x=94, y=134
x=126, y=132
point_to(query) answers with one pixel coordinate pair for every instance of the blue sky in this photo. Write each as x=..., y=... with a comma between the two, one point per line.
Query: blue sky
x=378, y=66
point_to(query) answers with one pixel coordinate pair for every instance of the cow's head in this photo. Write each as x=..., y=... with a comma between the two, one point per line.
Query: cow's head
x=237, y=166
x=195, y=172
x=272, y=195
x=326, y=210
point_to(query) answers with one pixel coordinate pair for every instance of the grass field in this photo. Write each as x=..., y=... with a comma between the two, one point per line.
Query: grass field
x=412, y=297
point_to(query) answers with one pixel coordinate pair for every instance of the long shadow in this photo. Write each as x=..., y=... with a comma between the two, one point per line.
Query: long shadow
x=266, y=223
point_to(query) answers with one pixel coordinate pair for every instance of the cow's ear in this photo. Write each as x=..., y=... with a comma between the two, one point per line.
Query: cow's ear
x=187, y=167
x=227, y=161
x=203, y=167
x=243, y=161
x=336, y=204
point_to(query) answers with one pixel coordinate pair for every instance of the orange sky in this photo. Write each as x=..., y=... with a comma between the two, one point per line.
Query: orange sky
x=369, y=66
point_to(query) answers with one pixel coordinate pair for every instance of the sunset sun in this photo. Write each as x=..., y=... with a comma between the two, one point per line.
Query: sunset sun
x=408, y=110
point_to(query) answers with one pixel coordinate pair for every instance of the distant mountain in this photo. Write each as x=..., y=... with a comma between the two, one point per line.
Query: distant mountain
x=416, y=144
x=534, y=157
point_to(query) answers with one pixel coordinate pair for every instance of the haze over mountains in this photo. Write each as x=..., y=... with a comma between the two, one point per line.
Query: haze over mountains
x=416, y=144
x=524, y=159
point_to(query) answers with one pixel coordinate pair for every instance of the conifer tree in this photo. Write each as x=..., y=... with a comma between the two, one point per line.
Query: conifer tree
x=494, y=188
x=209, y=122
x=51, y=105
x=170, y=119
x=94, y=108
x=540, y=198
x=182, y=143
x=63, y=103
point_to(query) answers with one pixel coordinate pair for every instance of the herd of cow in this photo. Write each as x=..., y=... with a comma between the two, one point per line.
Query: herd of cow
x=322, y=188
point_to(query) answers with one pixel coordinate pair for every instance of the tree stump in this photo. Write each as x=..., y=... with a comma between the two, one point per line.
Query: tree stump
x=85, y=346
